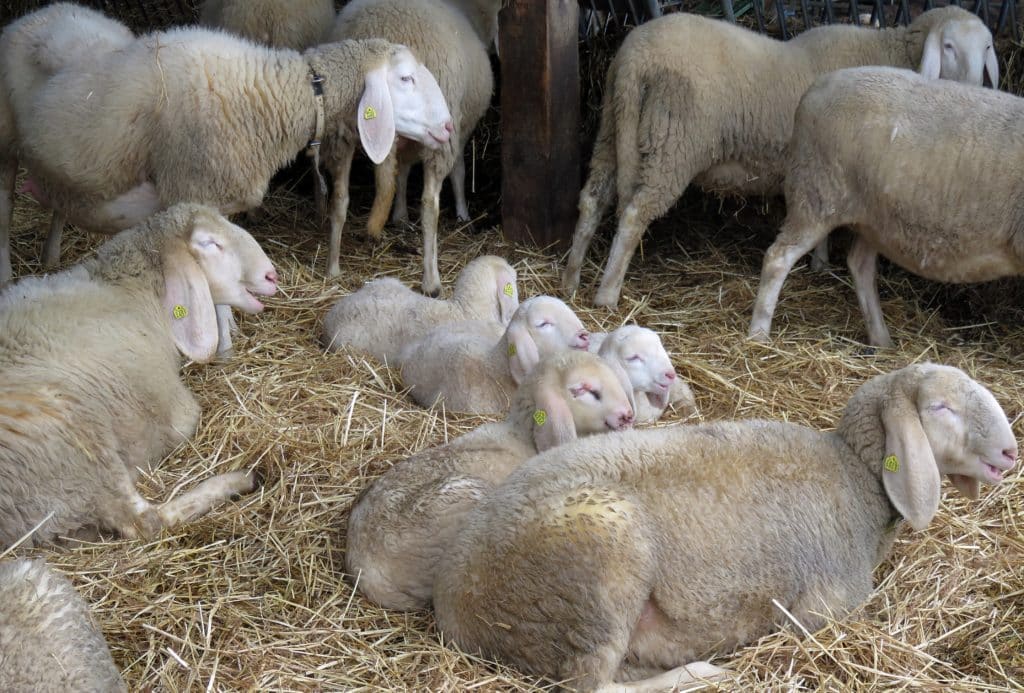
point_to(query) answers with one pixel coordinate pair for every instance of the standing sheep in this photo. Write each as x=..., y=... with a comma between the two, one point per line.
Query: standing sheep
x=400, y=525
x=689, y=99
x=48, y=640
x=32, y=50
x=296, y=24
x=642, y=356
x=90, y=391
x=475, y=368
x=615, y=557
x=196, y=115
x=451, y=38
x=384, y=316
x=937, y=200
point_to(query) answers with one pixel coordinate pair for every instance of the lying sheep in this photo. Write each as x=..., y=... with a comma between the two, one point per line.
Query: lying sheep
x=401, y=524
x=642, y=356
x=475, y=368
x=33, y=49
x=451, y=38
x=90, y=390
x=296, y=24
x=48, y=640
x=736, y=91
x=384, y=316
x=109, y=143
x=614, y=557
x=938, y=201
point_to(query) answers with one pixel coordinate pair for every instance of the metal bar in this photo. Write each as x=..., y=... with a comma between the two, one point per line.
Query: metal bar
x=981, y=9
x=728, y=11
x=878, y=14
x=805, y=10
x=854, y=13
x=780, y=10
x=830, y=15
x=903, y=14
x=759, y=16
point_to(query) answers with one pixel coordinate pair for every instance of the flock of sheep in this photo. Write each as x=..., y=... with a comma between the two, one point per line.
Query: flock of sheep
x=556, y=539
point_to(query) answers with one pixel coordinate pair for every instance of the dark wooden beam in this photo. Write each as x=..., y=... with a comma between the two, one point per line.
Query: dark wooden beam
x=540, y=121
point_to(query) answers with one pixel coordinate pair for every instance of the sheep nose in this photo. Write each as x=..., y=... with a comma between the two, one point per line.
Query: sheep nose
x=625, y=419
x=670, y=375
x=449, y=126
x=582, y=340
x=271, y=276
x=1010, y=455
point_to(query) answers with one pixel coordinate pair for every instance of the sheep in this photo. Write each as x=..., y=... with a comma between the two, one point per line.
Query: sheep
x=33, y=49
x=90, y=390
x=938, y=201
x=736, y=92
x=296, y=24
x=108, y=143
x=384, y=315
x=474, y=367
x=398, y=526
x=640, y=353
x=451, y=37
x=48, y=640
x=617, y=556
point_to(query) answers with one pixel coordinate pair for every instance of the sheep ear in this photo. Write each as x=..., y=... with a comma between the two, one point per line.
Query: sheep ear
x=623, y=377
x=508, y=297
x=522, y=352
x=909, y=472
x=992, y=67
x=931, y=56
x=552, y=419
x=376, y=116
x=189, y=306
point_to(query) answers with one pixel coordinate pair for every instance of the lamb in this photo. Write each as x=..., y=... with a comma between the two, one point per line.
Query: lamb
x=90, y=390
x=954, y=217
x=617, y=556
x=736, y=91
x=108, y=143
x=296, y=24
x=400, y=525
x=642, y=356
x=33, y=49
x=48, y=640
x=384, y=315
x=451, y=37
x=475, y=368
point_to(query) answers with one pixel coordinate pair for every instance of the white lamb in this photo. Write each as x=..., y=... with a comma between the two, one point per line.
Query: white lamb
x=385, y=315
x=296, y=24
x=695, y=100
x=938, y=200
x=642, y=356
x=197, y=115
x=474, y=367
x=90, y=391
x=622, y=557
x=33, y=49
x=401, y=524
x=48, y=640
x=451, y=37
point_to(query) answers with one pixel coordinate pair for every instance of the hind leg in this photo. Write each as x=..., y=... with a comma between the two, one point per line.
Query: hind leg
x=340, y=168
x=595, y=198
x=690, y=677
x=51, y=248
x=863, y=264
x=435, y=169
x=384, y=195
x=400, y=210
x=458, y=179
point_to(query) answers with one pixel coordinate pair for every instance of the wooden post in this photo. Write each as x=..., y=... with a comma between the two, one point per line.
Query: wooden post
x=540, y=121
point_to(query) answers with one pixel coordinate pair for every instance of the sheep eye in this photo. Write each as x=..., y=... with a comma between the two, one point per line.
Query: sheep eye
x=544, y=324
x=635, y=358
x=596, y=394
x=948, y=46
x=408, y=79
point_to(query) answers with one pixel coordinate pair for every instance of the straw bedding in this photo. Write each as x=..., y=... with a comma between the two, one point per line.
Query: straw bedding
x=253, y=596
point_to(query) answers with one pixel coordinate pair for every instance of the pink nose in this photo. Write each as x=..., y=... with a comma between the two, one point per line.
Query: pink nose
x=449, y=126
x=1010, y=455
x=670, y=375
x=582, y=340
x=271, y=276
x=625, y=418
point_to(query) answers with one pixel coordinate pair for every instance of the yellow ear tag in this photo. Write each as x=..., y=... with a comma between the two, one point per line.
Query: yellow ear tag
x=540, y=417
x=370, y=113
x=509, y=289
x=891, y=464
x=511, y=349
x=179, y=312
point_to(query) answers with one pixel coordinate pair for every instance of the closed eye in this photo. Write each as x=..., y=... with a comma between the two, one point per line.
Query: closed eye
x=636, y=358
x=545, y=323
x=408, y=79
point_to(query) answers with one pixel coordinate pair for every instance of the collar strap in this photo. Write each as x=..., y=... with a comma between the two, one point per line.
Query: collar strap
x=313, y=147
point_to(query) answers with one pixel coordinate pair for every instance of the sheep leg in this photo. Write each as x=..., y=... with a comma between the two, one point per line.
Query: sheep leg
x=400, y=209
x=693, y=676
x=200, y=499
x=595, y=199
x=339, y=206
x=863, y=264
x=8, y=172
x=226, y=326
x=458, y=179
x=384, y=177
x=433, y=177
x=51, y=248
x=792, y=243
x=819, y=257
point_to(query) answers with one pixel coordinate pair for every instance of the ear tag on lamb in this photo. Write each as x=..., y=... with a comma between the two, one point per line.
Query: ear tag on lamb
x=511, y=349
x=369, y=113
x=509, y=289
x=891, y=463
x=540, y=417
x=179, y=312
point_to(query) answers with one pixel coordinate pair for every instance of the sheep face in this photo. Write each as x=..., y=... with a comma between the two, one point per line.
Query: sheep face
x=236, y=268
x=962, y=51
x=420, y=110
x=640, y=353
x=597, y=398
x=553, y=326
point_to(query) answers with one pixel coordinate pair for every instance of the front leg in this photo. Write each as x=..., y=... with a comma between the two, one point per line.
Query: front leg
x=339, y=204
x=434, y=171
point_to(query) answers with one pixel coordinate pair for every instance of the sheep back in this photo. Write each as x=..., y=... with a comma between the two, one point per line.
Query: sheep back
x=296, y=24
